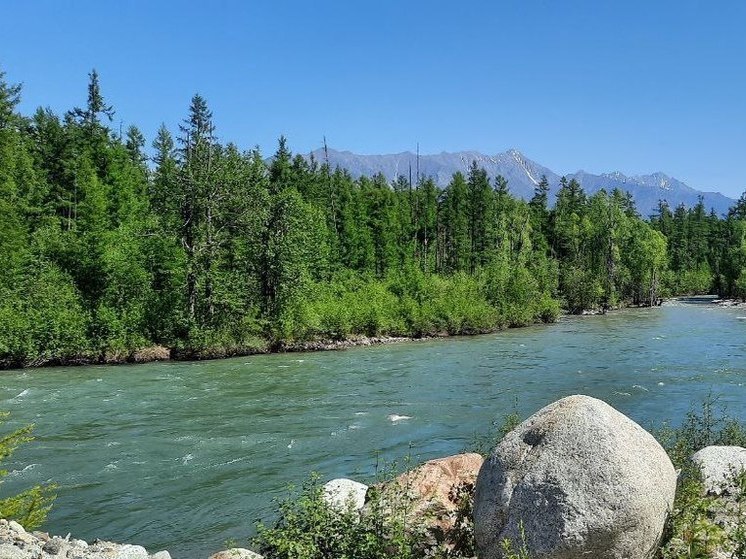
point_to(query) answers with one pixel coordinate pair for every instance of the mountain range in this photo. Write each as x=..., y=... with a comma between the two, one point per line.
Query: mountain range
x=523, y=175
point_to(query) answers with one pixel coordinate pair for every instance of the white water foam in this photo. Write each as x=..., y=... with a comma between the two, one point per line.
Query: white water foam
x=26, y=469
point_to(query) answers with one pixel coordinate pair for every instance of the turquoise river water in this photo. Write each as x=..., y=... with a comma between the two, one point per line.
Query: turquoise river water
x=184, y=456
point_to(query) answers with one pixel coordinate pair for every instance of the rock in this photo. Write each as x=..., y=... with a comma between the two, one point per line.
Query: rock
x=16, y=543
x=13, y=525
x=433, y=484
x=236, y=553
x=152, y=353
x=53, y=546
x=719, y=466
x=8, y=551
x=581, y=480
x=434, y=494
x=342, y=493
x=108, y=550
x=129, y=551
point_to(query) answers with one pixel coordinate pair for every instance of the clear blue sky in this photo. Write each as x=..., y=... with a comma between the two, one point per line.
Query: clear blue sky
x=600, y=86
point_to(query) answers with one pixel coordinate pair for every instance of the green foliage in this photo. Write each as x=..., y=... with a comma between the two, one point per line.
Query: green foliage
x=485, y=443
x=30, y=507
x=709, y=425
x=701, y=524
x=42, y=319
x=308, y=528
x=104, y=255
x=509, y=549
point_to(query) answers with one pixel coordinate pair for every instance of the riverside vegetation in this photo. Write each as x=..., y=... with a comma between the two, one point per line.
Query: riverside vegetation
x=208, y=251
x=700, y=526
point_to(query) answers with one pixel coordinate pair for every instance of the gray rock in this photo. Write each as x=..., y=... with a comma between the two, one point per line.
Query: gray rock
x=129, y=551
x=53, y=546
x=8, y=551
x=13, y=525
x=342, y=493
x=43, y=536
x=236, y=553
x=581, y=480
x=719, y=466
x=161, y=555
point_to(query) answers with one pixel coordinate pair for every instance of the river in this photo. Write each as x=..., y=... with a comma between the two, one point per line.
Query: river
x=184, y=456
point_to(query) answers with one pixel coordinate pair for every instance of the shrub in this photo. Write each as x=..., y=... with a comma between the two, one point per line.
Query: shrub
x=701, y=524
x=30, y=507
x=308, y=528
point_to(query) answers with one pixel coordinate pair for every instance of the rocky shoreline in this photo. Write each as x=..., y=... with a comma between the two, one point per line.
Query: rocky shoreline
x=17, y=543
x=156, y=353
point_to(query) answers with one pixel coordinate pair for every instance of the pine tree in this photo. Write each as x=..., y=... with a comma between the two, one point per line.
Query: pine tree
x=196, y=168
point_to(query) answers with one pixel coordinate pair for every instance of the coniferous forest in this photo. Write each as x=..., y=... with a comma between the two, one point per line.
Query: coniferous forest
x=209, y=250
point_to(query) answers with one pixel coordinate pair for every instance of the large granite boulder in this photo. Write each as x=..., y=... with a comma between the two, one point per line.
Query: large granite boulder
x=577, y=479
x=719, y=466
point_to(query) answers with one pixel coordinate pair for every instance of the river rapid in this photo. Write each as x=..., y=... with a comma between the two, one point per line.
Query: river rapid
x=186, y=455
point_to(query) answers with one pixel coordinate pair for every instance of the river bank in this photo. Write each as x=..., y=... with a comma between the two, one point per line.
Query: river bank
x=260, y=346
x=157, y=353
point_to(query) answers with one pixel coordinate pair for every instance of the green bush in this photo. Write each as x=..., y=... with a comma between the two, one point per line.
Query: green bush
x=693, y=530
x=308, y=528
x=30, y=507
x=708, y=425
x=42, y=320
